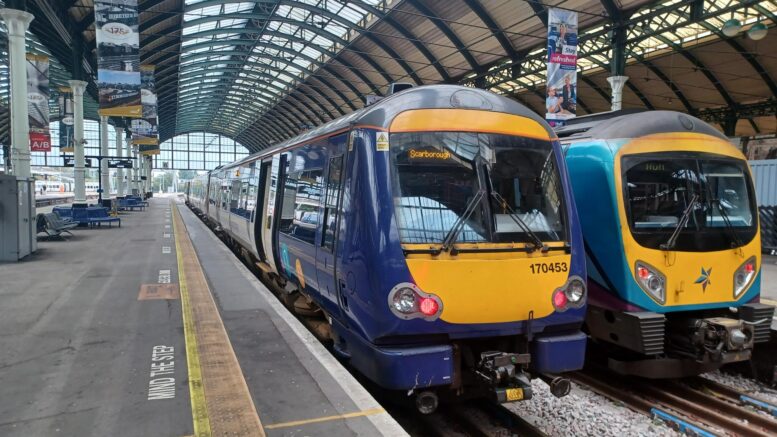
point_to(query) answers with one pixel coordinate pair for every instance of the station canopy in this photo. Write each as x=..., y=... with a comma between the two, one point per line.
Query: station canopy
x=263, y=71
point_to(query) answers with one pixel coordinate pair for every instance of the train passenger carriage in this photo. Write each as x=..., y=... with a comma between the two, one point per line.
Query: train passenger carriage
x=434, y=231
x=670, y=224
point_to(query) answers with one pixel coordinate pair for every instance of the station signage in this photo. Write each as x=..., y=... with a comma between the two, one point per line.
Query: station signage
x=38, y=102
x=119, y=163
x=69, y=161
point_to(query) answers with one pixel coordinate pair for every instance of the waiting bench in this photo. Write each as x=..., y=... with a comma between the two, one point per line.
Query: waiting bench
x=131, y=204
x=94, y=216
x=53, y=225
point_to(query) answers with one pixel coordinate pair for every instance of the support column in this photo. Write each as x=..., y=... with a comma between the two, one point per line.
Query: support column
x=147, y=185
x=136, y=169
x=119, y=154
x=617, y=83
x=79, y=171
x=128, y=149
x=17, y=23
x=105, y=179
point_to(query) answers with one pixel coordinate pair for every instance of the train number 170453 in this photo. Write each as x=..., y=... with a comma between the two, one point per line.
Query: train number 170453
x=556, y=267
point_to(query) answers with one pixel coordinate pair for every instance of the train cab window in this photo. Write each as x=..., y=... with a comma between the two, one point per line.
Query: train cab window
x=301, y=201
x=705, y=198
x=330, y=204
x=478, y=187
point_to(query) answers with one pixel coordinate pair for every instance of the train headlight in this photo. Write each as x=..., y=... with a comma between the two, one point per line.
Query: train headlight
x=407, y=301
x=575, y=291
x=572, y=294
x=744, y=276
x=404, y=301
x=652, y=281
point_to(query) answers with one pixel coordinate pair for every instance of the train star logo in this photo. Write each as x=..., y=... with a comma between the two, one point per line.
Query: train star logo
x=704, y=279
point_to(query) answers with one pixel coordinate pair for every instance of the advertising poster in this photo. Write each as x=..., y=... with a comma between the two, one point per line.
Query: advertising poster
x=118, y=57
x=561, y=86
x=145, y=130
x=38, y=102
x=65, y=118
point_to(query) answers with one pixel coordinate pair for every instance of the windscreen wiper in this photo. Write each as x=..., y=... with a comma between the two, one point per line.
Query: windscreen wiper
x=735, y=240
x=681, y=224
x=536, y=240
x=453, y=233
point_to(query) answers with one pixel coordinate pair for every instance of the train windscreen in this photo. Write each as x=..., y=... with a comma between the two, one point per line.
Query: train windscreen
x=496, y=188
x=707, y=200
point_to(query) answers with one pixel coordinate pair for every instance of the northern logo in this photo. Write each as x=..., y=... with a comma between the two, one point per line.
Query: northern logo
x=704, y=279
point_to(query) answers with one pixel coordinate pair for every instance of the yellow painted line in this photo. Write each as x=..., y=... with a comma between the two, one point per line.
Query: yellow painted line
x=371, y=412
x=223, y=393
x=769, y=301
x=196, y=390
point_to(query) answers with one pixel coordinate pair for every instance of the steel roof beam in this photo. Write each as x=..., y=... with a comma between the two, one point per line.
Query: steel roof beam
x=409, y=36
x=448, y=32
x=540, y=10
x=498, y=33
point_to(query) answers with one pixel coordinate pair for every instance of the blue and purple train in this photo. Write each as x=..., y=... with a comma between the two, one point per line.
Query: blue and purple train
x=435, y=233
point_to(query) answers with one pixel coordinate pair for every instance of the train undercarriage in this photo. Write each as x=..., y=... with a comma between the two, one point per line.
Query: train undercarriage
x=677, y=345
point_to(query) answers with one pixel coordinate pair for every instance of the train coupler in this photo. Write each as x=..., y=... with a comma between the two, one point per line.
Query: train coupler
x=504, y=372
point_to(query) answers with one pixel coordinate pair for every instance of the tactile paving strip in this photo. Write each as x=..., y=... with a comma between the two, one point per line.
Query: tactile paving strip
x=230, y=409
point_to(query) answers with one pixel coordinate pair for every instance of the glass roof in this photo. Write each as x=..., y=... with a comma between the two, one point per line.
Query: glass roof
x=238, y=59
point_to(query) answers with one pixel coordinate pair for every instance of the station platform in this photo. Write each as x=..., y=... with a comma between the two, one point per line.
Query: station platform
x=155, y=328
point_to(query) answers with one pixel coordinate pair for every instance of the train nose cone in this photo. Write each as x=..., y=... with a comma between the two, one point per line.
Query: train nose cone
x=737, y=338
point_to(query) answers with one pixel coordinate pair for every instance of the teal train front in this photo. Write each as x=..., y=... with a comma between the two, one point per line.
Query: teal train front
x=672, y=242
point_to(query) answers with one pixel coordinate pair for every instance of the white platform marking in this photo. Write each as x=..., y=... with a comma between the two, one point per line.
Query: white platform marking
x=165, y=249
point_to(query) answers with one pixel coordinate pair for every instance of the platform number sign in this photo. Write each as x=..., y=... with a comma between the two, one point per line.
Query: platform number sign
x=40, y=142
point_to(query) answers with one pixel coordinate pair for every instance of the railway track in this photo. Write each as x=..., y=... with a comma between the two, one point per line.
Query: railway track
x=477, y=419
x=694, y=405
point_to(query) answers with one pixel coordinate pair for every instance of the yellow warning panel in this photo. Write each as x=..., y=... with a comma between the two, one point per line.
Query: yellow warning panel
x=221, y=402
x=158, y=291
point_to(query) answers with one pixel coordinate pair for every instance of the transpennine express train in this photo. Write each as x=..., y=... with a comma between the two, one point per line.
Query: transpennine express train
x=673, y=248
x=436, y=233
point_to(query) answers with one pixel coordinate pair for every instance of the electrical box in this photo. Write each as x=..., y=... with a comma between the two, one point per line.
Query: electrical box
x=17, y=218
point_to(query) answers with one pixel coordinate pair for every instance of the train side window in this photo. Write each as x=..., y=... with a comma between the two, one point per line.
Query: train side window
x=287, y=203
x=251, y=193
x=330, y=204
x=304, y=190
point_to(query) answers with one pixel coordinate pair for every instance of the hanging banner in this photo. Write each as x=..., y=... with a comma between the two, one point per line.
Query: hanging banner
x=144, y=130
x=118, y=57
x=65, y=118
x=561, y=85
x=38, y=102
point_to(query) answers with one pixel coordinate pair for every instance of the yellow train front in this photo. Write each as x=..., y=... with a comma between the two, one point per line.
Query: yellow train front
x=670, y=223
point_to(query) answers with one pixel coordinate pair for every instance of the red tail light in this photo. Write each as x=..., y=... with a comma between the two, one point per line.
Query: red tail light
x=560, y=300
x=428, y=306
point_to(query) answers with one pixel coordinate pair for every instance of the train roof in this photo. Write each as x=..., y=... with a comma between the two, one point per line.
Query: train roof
x=633, y=124
x=382, y=113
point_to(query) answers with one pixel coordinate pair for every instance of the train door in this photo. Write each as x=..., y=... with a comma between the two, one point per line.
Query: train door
x=274, y=199
x=329, y=213
x=261, y=222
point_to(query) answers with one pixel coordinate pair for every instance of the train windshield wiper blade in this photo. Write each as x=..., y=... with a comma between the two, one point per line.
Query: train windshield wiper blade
x=727, y=221
x=681, y=224
x=453, y=233
x=536, y=240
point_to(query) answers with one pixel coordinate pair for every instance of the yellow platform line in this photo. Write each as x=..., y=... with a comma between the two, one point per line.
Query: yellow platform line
x=196, y=391
x=370, y=412
x=221, y=402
